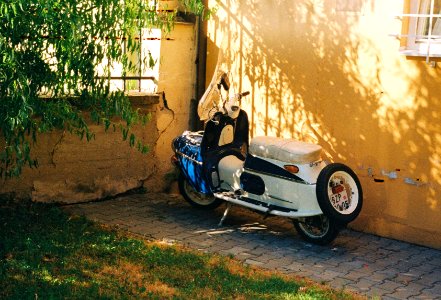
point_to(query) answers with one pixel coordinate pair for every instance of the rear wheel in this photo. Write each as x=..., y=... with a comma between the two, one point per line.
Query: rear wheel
x=339, y=193
x=319, y=230
x=195, y=198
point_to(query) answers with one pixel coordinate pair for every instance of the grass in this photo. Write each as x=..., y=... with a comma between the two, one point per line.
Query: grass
x=46, y=254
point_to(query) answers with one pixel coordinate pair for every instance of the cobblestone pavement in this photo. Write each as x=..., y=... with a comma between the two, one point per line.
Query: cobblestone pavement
x=355, y=261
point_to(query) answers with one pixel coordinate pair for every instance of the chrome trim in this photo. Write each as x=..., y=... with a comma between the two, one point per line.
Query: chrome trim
x=188, y=157
x=277, y=176
x=315, y=163
x=280, y=199
x=291, y=214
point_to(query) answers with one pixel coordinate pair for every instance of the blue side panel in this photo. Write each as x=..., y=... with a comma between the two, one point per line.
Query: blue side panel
x=188, y=150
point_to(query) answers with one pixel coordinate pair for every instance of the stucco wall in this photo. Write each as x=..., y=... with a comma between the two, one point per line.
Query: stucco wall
x=327, y=73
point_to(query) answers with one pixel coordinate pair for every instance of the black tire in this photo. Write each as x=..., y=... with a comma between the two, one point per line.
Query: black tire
x=195, y=198
x=339, y=193
x=319, y=230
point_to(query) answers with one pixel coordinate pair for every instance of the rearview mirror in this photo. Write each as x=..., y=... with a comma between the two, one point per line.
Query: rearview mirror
x=225, y=82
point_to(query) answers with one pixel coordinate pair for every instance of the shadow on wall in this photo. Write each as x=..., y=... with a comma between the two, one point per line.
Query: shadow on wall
x=323, y=74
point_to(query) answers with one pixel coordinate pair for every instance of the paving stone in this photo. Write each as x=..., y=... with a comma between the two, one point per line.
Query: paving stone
x=294, y=267
x=350, y=266
x=389, y=297
x=421, y=256
x=354, y=275
x=415, y=288
x=330, y=263
x=315, y=277
x=216, y=247
x=379, y=277
x=363, y=285
x=275, y=264
x=341, y=282
x=200, y=244
x=429, y=280
x=434, y=290
x=253, y=262
x=389, y=285
x=329, y=275
x=427, y=296
x=398, y=246
x=405, y=292
x=259, y=250
x=278, y=263
x=405, y=278
x=251, y=246
x=236, y=250
x=325, y=265
x=389, y=272
x=429, y=252
x=435, y=261
x=422, y=270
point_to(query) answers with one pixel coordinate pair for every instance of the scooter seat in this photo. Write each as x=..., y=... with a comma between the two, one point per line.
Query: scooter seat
x=286, y=150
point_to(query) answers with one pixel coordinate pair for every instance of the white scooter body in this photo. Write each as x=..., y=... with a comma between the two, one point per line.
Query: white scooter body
x=299, y=199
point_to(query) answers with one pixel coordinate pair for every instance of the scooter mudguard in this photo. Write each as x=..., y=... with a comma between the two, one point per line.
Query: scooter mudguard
x=188, y=149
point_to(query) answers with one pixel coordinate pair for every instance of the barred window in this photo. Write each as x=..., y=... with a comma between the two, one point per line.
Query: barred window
x=421, y=32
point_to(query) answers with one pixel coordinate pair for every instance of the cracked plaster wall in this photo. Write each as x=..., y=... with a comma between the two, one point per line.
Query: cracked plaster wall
x=73, y=170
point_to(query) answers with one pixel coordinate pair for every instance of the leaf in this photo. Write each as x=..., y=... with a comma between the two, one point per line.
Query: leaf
x=106, y=124
x=125, y=133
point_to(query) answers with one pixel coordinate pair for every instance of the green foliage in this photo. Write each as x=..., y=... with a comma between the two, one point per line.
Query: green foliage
x=52, y=48
x=198, y=8
x=47, y=254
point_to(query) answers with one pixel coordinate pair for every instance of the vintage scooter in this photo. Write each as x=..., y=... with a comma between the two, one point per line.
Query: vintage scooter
x=271, y=175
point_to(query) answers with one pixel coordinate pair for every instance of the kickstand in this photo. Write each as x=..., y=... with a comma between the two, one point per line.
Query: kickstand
x=225, y=214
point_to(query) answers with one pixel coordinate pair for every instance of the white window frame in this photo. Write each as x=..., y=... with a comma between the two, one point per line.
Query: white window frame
x=416, y=43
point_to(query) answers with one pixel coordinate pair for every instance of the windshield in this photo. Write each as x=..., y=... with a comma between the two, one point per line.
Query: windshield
x=211, y=99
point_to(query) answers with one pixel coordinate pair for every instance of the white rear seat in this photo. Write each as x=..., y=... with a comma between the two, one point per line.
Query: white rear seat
x=287, y=150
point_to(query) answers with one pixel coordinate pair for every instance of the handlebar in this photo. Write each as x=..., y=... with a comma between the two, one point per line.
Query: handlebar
x=216, y=109
x=244, y=94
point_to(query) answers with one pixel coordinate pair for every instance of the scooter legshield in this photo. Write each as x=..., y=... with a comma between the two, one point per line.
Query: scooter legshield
x=188, y=150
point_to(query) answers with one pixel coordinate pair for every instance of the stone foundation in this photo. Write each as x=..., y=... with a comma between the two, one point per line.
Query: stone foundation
x=74, y=170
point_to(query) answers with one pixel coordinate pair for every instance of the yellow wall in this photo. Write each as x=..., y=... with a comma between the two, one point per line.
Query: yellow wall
x=322, y=72
x=177, y=77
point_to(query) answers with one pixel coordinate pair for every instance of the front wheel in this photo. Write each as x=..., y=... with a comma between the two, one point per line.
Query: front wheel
x=319, y=230
x=195, y=198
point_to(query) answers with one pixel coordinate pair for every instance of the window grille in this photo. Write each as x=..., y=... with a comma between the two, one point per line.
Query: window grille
x=145, y=79
x=421, y=31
